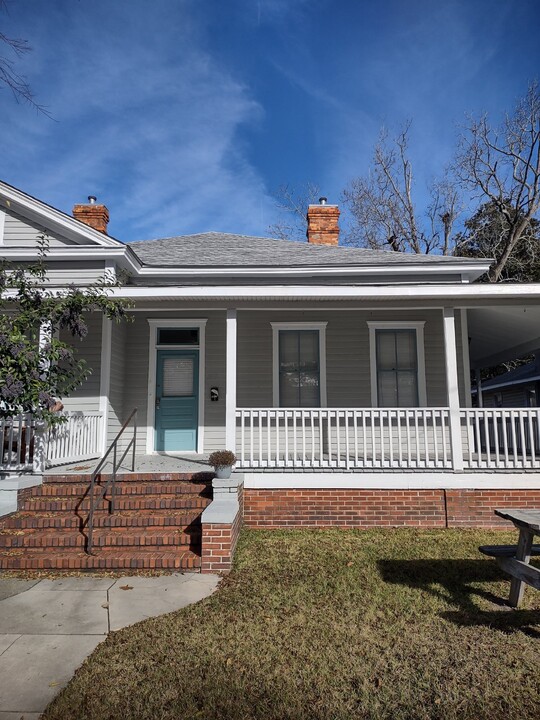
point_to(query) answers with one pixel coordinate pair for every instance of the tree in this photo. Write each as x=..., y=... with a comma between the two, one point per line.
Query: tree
x=486, y=236
x=9, y=77
x=501, y=167
x=36, y=367
x=383, y=208
x=293, y=206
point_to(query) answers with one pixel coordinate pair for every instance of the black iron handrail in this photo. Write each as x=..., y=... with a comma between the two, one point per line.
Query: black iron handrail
x=113, y=447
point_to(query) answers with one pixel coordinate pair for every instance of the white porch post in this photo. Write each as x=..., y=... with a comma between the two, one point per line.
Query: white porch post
x=452, y=384
x=40, y=436
x=105, y=378
x=230, y=392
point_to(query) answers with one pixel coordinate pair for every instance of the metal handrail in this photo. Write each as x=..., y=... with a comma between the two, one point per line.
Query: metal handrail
x=113, y=447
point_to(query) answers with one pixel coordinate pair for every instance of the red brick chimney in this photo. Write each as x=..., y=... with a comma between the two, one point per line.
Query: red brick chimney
x=97, y=216
x=323, y=223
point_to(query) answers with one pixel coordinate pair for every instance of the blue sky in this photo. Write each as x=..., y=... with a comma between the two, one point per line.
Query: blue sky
x=186, y=115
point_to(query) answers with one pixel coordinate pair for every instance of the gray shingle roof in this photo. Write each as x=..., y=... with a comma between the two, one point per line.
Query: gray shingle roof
x=227, y=249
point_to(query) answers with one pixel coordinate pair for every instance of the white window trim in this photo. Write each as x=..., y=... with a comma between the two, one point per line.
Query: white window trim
x=398, y=325
x=321, y=327
x=152, y=363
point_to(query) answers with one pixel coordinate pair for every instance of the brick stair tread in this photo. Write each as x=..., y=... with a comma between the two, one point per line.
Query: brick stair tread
x=70, y=504
x=142, y=488
x=101, y=559
x=29, y=520
x=103, y=537
x=197, y=477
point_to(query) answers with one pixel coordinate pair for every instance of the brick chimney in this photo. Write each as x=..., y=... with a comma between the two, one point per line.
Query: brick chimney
x=323, y=223
x=97, y=216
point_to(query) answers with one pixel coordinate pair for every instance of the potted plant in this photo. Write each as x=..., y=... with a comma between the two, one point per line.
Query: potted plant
x=222, y=462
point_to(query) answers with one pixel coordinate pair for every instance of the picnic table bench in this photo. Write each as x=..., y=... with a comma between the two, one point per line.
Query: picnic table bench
x=514, y=559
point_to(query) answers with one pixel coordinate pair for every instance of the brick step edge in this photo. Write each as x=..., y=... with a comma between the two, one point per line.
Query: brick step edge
x=122, y=489
x=38, y=540
x=196, y=477
x=103, y=560
x=121, y=503
x=32, y=521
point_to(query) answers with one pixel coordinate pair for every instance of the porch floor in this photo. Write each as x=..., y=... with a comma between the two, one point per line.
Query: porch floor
x=143, y=464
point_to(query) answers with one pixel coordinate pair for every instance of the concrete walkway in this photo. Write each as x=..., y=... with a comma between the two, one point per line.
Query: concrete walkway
x=48, y=627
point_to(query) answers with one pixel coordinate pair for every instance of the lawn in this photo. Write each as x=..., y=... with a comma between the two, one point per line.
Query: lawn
x=329, y=624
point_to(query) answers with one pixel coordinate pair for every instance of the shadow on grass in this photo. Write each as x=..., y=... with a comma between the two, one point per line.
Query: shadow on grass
x=458, y=583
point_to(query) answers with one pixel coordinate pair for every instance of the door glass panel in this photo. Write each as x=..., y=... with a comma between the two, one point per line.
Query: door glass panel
x=177, y=377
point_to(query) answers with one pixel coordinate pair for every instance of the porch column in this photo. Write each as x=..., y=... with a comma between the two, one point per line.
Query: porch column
x=40, y=436
x=230, y=392
x=452, y=384
x=105, y=379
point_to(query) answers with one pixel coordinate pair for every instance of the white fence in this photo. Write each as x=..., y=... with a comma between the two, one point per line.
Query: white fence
x=79, y=438
x=17, y=435
x=502, y=439
x=349, y=439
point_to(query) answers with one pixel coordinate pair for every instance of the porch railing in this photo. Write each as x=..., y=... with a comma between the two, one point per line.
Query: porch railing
x=79, y=438
x=349, y=439
x=501, y=438
x=17, y=435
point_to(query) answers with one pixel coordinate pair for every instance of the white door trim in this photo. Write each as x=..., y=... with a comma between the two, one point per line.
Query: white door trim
x=154, y=323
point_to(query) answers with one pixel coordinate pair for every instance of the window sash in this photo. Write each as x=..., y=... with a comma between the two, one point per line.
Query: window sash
x=299, y=368
x=397, y=371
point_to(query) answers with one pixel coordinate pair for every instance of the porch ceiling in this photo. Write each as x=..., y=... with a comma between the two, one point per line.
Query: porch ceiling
x=502, y=333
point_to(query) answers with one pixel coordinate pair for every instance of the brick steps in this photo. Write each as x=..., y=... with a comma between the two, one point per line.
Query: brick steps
x=154, y=502
x=120, y=537
x=156, y=525
x=100, y=560
x=198, y=478
x=122, y=488
x=145, y=518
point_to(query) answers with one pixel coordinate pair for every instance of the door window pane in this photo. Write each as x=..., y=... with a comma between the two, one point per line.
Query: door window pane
x=299, y=368
x=397, y=368
x=177, y=377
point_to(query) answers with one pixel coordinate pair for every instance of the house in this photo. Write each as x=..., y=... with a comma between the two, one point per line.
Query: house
x=339, y=376
x=519, y=387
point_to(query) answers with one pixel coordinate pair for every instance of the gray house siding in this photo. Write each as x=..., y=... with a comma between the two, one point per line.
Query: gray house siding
x=347, y=354
x=20, y=232
x=86, y=397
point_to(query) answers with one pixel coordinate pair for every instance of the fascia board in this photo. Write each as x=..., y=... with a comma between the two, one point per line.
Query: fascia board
x=474, y=270
x=81, y=252
x=44, y=214
x=454, y=295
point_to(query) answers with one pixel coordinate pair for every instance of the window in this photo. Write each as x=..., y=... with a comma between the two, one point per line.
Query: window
x=299, y=364
x=397, y=364
x=178, y=336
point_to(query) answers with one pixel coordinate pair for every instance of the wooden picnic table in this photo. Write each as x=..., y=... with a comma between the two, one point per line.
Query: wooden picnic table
x=514, y=559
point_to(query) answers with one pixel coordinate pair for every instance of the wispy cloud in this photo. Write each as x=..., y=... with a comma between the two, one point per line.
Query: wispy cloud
x=144, y=118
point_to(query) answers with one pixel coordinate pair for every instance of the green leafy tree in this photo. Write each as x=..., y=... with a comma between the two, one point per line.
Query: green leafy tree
x=37, y=369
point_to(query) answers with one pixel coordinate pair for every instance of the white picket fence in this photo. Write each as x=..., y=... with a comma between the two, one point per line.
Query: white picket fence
x=79, y=438
x=501, y=438
x=335, y=438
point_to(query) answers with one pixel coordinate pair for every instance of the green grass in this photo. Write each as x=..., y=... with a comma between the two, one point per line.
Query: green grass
x=330, y=624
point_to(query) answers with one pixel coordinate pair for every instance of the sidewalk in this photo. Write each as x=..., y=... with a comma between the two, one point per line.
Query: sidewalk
x=48, y=627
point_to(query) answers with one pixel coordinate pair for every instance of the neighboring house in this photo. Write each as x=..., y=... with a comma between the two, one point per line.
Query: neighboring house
x=519, y=387
x=339, y=376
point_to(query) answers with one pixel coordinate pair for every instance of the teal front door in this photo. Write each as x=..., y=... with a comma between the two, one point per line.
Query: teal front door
x=177, y=400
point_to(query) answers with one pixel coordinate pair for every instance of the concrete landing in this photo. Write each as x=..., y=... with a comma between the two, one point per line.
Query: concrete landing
x=48, y=627
x=159, y=463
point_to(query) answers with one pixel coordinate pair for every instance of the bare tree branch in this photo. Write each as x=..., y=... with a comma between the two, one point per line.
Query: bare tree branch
x=502, y=167
x=9, y=77
x=293, y=205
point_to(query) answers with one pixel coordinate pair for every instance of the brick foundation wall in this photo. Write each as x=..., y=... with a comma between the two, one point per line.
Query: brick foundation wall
x=381, y=508
x=219, y=542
